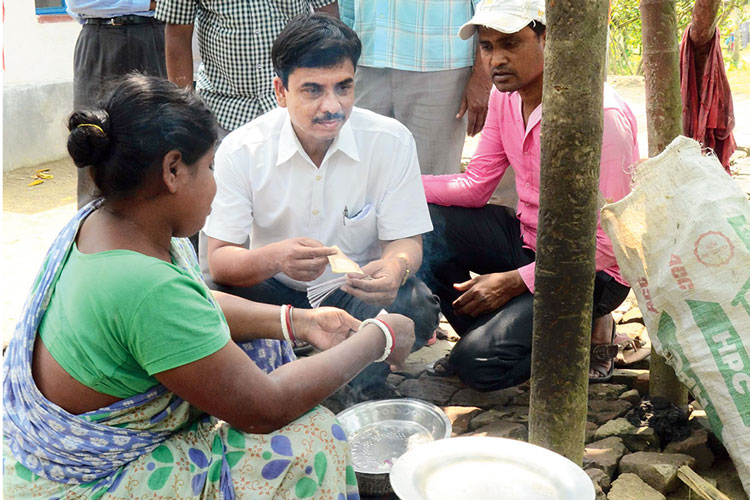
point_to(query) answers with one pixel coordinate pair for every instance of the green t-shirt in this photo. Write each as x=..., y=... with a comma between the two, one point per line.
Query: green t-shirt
x=118, y=317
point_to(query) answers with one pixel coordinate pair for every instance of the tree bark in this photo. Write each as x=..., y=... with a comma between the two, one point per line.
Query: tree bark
x=661, y=67
x=571, y=139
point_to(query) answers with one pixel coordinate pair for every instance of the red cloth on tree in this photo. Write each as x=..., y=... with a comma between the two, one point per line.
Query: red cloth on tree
x=707, y=114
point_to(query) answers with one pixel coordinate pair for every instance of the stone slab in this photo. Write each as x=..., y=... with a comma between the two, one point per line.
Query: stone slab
x=659, y=470
x=605, y=454
x=631, y=487
x=433, y=389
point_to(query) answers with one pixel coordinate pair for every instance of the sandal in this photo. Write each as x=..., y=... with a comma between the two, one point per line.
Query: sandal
x=601, y=355
x=441, y=367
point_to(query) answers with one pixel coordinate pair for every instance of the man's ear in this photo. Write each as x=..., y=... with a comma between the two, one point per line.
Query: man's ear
x=171, y=167
x=280, y=91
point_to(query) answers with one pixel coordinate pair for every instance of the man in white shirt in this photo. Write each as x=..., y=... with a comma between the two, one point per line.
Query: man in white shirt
x=315, y=173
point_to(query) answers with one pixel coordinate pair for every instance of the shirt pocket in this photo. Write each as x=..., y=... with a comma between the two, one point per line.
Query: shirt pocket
x=358, y=237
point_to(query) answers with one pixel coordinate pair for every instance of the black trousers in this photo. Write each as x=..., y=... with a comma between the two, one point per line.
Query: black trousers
x=414, y=300
x=103, y=53
x=495, y=348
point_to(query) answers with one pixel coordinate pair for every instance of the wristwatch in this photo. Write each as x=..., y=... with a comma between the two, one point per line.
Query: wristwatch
x=406, y=272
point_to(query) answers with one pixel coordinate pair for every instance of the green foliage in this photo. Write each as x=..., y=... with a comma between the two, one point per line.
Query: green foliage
x=625, y=43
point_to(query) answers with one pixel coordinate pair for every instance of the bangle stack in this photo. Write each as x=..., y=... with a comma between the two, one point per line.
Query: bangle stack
x=287, y=324
x=390, y=337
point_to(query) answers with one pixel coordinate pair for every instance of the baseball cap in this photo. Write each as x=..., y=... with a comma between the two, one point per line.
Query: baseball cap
x=506, y=16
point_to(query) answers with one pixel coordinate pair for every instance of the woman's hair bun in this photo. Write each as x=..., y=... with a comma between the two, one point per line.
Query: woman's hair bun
x=89, y=138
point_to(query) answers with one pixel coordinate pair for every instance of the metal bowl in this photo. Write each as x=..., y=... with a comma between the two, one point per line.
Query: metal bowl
x=379, y=432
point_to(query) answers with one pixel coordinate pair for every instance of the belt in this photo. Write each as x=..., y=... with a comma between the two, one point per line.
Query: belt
x=122, y=20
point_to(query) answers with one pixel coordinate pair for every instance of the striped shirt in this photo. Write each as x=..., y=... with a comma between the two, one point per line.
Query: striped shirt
x=411, y=35
x=235, y=38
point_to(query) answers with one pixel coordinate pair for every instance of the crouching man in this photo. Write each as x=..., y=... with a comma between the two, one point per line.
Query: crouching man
x=492, y=311
x=318, y=172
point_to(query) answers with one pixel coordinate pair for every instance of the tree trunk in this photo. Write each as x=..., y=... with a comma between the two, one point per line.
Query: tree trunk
x=664, y=119
x=736, y=47
x=571, y=142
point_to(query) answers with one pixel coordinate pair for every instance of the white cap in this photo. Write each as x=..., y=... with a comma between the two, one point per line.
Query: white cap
x=505, y=16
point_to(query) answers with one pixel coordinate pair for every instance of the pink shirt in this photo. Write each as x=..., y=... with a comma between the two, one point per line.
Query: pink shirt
x=505, y=142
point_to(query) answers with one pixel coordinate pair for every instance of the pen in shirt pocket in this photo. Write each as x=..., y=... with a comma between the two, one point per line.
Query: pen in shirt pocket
x=360, y=214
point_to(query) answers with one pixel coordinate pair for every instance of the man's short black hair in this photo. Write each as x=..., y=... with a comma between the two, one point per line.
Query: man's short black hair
x=537, y=27
x=313, y=41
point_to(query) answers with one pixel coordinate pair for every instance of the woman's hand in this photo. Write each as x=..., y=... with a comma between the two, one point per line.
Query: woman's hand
x=323, y=327
x=403, y=332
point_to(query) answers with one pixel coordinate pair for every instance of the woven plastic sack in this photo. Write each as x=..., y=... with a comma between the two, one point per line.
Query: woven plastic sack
x=682, y=240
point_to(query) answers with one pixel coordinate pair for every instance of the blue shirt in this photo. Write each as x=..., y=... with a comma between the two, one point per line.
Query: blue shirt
x=82, y=9
x=411, y=35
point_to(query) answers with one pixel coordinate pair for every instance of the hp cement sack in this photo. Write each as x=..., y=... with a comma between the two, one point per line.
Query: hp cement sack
x=682, y=240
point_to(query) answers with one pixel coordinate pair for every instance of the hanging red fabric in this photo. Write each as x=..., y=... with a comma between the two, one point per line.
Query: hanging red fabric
x=707, y=113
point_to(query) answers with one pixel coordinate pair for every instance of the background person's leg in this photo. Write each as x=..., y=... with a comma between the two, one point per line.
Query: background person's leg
x=608, y=294
x=374, y=90
x=495, y=352
x=483, y=240
x=103, y=53
x=427, y=103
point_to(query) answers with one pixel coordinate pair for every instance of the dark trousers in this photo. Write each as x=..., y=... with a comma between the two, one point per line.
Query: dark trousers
x=414, y=300
x=494, y=351
x=103, y=53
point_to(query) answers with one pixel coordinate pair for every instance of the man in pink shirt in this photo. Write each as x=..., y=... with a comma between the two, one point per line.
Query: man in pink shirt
x=492, y=312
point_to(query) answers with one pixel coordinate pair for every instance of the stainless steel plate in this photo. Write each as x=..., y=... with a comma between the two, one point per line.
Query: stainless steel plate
x=381, y=431
x=476, y=468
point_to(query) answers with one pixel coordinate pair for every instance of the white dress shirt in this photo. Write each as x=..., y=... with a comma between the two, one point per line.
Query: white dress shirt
x=368, y=188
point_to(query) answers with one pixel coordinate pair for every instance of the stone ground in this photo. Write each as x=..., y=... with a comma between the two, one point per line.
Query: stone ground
x=621, y=459
x=625, y=462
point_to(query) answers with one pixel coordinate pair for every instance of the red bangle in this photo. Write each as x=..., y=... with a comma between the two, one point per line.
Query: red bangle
x=390, y=330
x=288, y=317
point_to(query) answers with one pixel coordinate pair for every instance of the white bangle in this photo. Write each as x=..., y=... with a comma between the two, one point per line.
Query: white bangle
x=388, y=339
x=282, y=318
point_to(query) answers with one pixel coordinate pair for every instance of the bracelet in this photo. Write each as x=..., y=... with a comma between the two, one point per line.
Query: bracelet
x=387, y=331
x=284, y=317
x=292, y=332
x=289, y=325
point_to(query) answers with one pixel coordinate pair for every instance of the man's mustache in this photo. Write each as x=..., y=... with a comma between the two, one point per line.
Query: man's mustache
x=328, y=117
x=501, y=71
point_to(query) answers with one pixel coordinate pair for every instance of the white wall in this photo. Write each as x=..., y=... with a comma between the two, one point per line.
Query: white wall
x=37, y=85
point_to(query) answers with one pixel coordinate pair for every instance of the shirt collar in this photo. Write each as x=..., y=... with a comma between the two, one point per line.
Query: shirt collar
x=289, y=143
x=534, y=117
x=345, y=142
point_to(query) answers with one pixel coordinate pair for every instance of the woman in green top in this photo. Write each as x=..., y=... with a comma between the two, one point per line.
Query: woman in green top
x=122, y=380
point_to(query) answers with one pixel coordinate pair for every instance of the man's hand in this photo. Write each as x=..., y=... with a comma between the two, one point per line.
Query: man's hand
x=475, y=100
x=324, y=327
x=488, y=292
x=302, y=259
x=379, y=283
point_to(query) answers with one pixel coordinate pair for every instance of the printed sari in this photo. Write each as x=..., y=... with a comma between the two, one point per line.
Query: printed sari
x=156, y=445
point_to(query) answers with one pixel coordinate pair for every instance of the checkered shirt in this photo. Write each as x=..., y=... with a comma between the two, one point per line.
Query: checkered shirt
x=235, y=39
x=411, y=35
